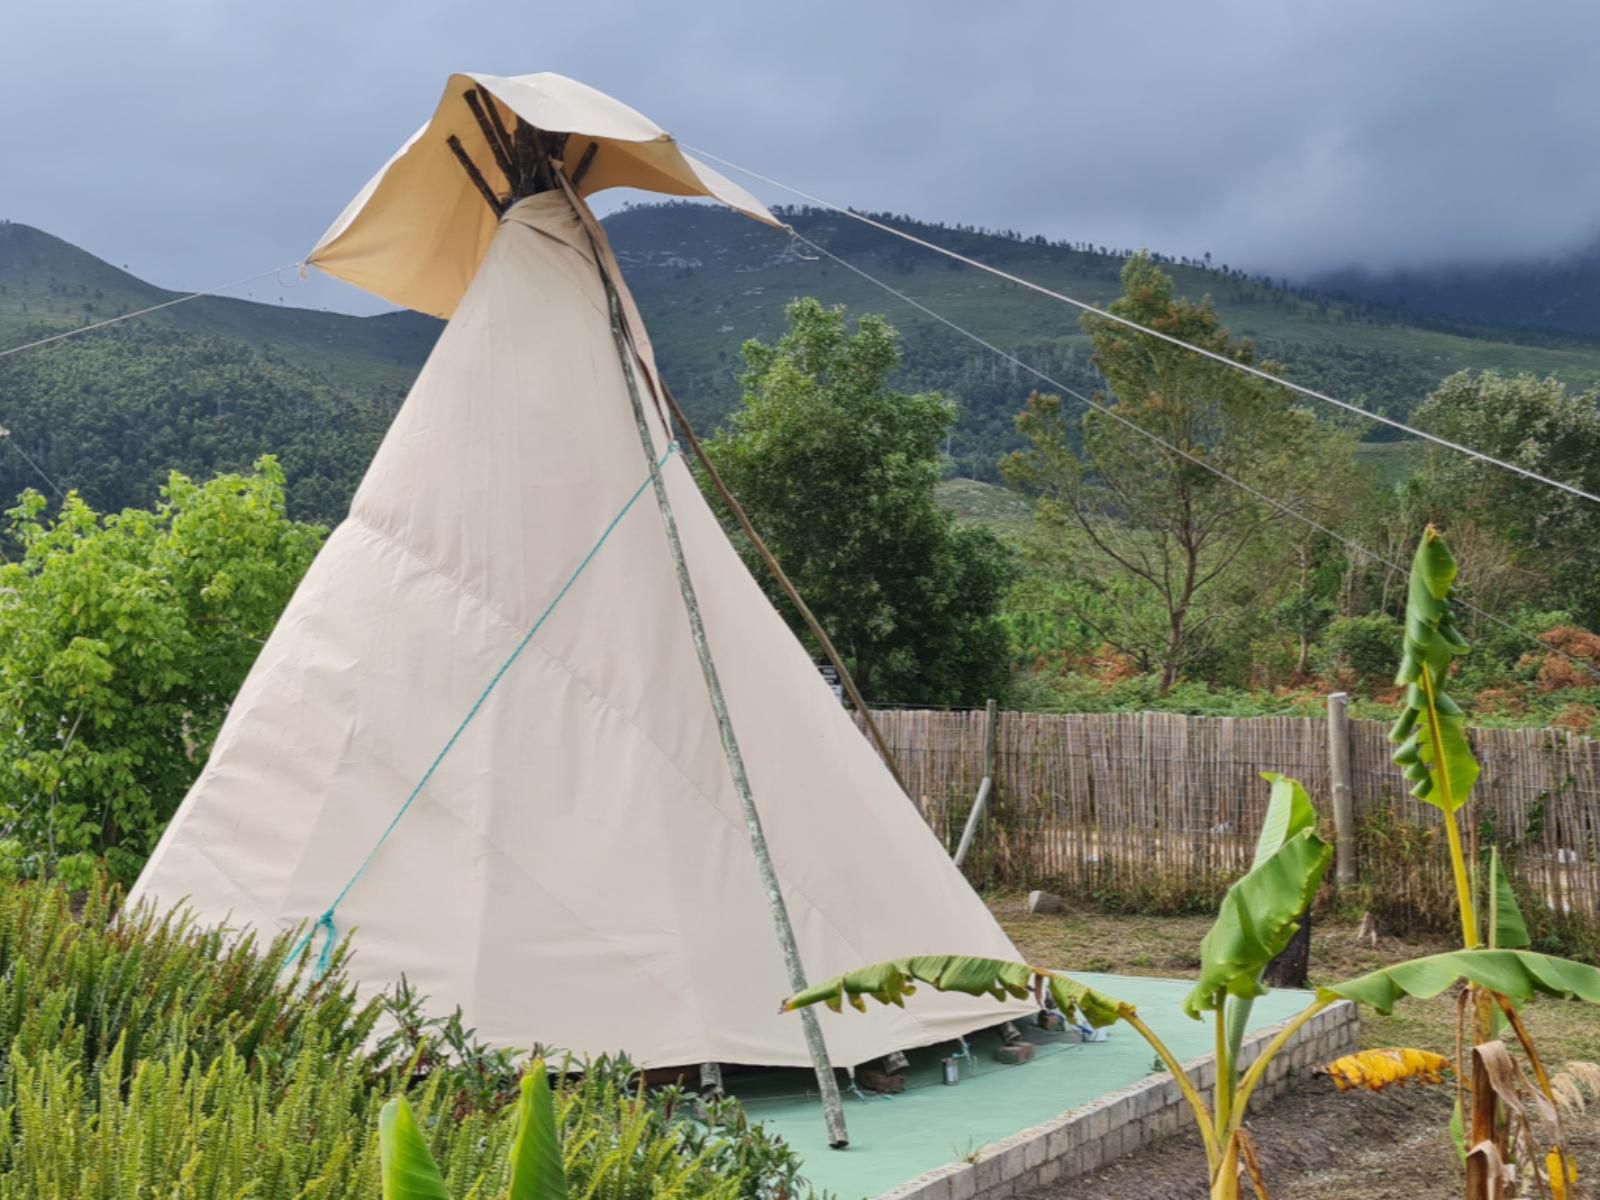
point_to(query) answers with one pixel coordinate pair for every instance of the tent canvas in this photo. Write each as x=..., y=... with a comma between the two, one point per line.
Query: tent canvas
x=576, y=870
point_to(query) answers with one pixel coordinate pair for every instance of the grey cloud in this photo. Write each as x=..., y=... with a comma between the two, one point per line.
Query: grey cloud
x=198, y=141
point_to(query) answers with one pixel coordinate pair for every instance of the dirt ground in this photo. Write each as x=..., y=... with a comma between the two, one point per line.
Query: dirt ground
x=1317, y=1143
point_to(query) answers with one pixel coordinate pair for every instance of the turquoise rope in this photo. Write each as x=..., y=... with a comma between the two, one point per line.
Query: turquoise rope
x=325, y=921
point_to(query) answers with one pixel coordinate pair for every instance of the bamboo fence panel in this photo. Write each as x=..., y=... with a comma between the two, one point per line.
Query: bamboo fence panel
x=1142, y=802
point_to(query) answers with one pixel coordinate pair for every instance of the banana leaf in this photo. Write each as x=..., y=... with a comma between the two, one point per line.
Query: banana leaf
x=537, y=1170
x=1517, y=974
x=891, y=982
x=1431, y=642
x=1261, y=911
x=1289, y=812
x=1507, y=929
x=409, y=1172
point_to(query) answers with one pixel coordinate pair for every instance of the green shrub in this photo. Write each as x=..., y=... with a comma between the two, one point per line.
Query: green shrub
x=126, y=636
x=146, y=1056
x=1499, y=651
x=1075, y=693
x=1365, y=646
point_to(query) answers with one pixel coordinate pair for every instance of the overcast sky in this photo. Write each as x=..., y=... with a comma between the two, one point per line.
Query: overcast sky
x=198, y=141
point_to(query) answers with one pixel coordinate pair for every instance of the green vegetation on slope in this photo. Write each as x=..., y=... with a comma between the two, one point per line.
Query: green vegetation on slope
x=974, y=502
x=111, y=413
x=707, y=279
x=208, y=385
x=1558, y=295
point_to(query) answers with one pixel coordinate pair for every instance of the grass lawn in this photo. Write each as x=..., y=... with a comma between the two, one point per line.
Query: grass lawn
x=1318, y=1143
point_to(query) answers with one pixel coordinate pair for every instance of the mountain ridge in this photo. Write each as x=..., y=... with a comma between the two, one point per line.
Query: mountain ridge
x=48, y=285
x=1557, y=294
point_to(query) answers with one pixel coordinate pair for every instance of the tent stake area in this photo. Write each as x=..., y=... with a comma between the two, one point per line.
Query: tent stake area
x=894, y=1139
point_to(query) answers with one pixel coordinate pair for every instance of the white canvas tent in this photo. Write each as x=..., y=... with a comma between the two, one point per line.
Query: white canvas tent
x=576, y=868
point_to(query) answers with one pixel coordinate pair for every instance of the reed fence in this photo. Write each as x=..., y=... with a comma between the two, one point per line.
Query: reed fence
x=1163, y=809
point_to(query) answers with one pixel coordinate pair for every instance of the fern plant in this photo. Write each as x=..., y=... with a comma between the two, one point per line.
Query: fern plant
x=624, y=1159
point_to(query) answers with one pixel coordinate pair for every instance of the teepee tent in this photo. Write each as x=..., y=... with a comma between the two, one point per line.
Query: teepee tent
x=504, y=729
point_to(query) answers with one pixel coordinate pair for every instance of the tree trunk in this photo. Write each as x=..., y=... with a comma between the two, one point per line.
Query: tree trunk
x=1170, y=659
x=1291, y=969
x=1169, y=676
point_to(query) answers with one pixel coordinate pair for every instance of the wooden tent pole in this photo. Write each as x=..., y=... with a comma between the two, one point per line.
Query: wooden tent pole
x=833, y=1109
x=488, y=117
x=789, y=589
x=478, y=181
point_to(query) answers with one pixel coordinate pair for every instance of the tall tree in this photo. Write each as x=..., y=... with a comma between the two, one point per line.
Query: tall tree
x=125, y=639
x=1522, y=539
x=1117, y=508
x=837, y=470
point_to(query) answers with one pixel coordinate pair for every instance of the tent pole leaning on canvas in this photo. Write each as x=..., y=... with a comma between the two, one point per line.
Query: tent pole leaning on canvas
x=833, y=1110
x=789, y=589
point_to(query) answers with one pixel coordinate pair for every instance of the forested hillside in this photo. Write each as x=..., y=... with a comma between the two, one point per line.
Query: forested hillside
x=707, y=279
x=112, y=412
x=204, y=386
x=213, y=383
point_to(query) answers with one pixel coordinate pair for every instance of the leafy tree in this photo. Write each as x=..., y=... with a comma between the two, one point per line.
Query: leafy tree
x=1542, y=540
x=1151, y=514
x=1364, y=646
x=837, y=471
x=1303, y=613
x=126, y=637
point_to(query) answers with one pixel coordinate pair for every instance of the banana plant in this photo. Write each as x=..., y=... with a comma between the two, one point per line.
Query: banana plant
x=1431, y=731
x=1260, y=914
x=1258, y=917
x=1516, y=975
x=1439, y=763
x=537, y=1173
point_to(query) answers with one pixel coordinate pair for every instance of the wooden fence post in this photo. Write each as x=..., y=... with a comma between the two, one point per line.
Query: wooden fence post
x=992, y=717
x=1344, y=816
x=990, y=728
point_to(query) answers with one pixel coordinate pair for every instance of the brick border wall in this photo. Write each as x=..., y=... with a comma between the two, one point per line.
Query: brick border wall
x=1085, y=1138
